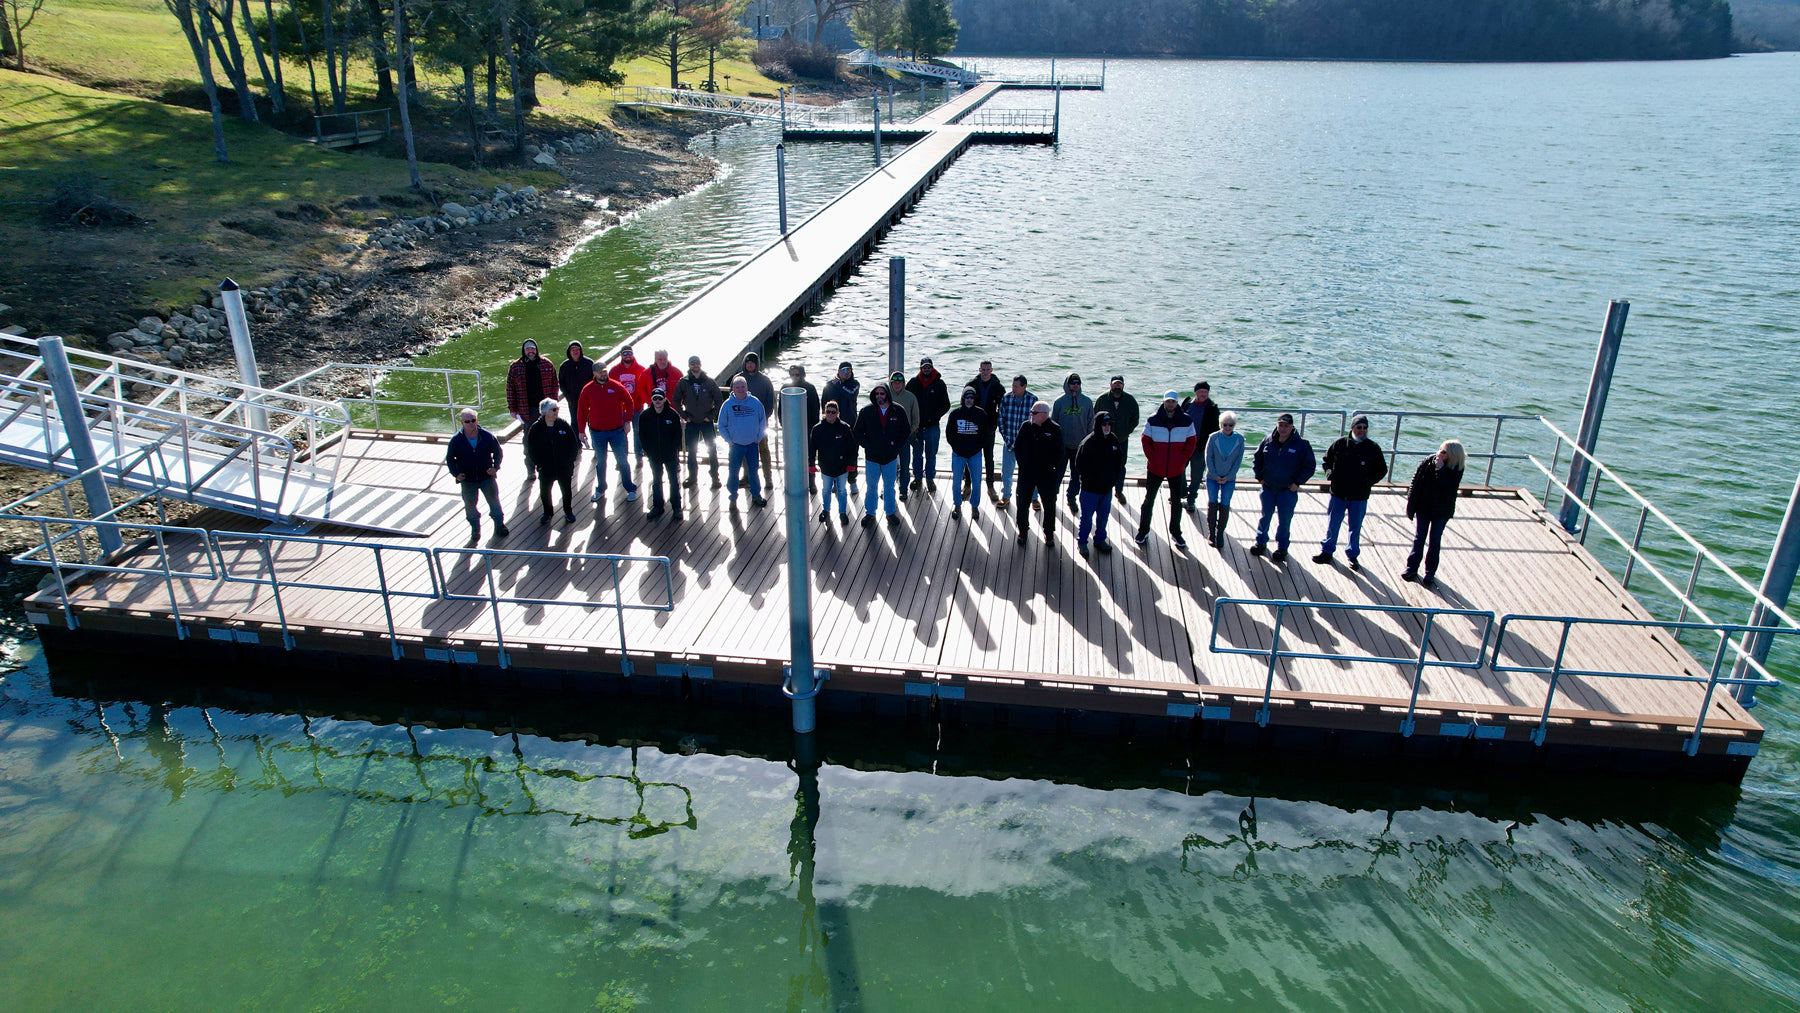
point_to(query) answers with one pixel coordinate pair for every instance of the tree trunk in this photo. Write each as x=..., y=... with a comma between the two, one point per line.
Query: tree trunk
x=474, y=124
x=332, y=79
x=312, y=75
x=403, y=55
x=184, y=13
x=512, y=79
x=275, y=53
x=384, y=80
x=233, y=61
x=492, y=73
x=276, y=102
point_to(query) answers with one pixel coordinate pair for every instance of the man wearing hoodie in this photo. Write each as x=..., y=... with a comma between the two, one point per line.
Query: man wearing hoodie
x=1098, y=461
x=1124, y=411
x=1039, y=448
x=635, y=378
x=1203, y=412
x=966, y=430
x=988, y=392
x=659, y=432
x=529, y=380
x=1014, y=414
x=1169, y=445
x=797, y=378
x=835, y=444
x=574, y=373
x=1074, y=415
x=605, y=411
x=555, y=446
x=1282, y=465
x=1354, y=464
x=934, y=400
x=764, y=392
x=846, y=390
x=909, y=404
x=744, y=424
x=697, y=401
x=882, y=431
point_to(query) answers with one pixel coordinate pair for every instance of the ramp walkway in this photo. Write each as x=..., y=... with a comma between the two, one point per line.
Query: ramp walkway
x=272, y=454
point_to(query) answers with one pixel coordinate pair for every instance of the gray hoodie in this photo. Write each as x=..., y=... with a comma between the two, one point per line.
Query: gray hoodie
x=1074, y=413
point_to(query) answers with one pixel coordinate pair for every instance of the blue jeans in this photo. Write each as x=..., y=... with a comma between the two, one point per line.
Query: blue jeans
x=1217, y=492
x=1095, y=506
x=924, y=453
x=614, y=440
x=881, y=475
x=971, y=466
x=1007, y=463
x=1273, y=500
x=837, y=484
x=742, y=454
x=1335, y=512
x=1197, y=477
x=1428, y=539
x=489, y=490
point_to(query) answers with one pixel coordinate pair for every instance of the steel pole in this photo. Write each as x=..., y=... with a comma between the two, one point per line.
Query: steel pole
x=783, y=92
x=877, y=102
x=1777, y=586
x=1056, y=117
x=1598, y=386
x=802, y=680
x=255, y=417
x=781, y=183
x=81, y=441
x=896, y=315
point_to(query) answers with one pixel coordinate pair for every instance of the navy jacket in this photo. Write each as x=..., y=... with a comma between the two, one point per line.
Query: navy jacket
x=836, y=444
x=882, y=443
x=1278, y=465
x=659, y=433
x=472, y=463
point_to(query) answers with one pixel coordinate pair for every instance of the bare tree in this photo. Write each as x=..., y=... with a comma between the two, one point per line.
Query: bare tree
x=15, y=17
x=827, y=11
x=191, y=15
x=403, y=57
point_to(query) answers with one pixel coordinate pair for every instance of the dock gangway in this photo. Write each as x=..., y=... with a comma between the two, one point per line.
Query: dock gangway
x=691, y=101
x=917, y=68
x=267, y=453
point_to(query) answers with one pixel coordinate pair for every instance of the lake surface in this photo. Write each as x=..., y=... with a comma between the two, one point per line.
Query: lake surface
x=1300, y=234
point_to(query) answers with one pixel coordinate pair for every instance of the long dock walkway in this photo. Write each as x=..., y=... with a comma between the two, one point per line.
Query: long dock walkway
x=956, y=610
x=766, y=295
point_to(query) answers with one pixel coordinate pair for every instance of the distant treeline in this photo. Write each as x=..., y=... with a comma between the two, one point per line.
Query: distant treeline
x=1352, y=29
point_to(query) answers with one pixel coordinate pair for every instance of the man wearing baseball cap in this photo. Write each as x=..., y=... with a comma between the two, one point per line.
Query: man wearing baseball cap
x=1282, y=464
x=909, y=406
x=659, y=433
x=1125, y=415
x=1353, y=464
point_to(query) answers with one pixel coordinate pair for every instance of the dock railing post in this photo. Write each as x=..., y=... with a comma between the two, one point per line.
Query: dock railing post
x=1056, y=117
x=781, y=183
x=877, y=101
x=255, y=416
x=783, y=93
x=896, y=315
x=81, y=442
x=1777, y=586
x=890, y=101
x=802, y=682
x=1598, y=386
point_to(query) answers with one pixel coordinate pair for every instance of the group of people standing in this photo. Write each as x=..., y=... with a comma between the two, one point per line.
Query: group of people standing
x=1076, y=445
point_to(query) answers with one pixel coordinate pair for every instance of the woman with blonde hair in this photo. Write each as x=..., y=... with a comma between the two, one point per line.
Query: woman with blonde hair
x=1430, y=503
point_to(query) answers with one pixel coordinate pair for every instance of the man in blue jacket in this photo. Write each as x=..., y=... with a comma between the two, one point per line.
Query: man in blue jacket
x=474, y=459
x=743, y=423
x=1283, y=463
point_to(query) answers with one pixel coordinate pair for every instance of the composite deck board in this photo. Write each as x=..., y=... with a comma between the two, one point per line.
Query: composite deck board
x=958, y=597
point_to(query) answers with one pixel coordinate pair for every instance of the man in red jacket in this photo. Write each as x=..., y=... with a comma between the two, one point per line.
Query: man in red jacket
x=1169, y=441
x=604, y=412
x=635, y=378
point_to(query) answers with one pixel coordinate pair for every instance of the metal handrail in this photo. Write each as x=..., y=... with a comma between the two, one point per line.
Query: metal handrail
x=77, y=526
x=264, y=541
x=372, y=375
x=1419, y=662
x=1301, y=417
x=712, y=102
x=1009, y=118
x=1556, y=671
x=495, y=599
x=1400, y=418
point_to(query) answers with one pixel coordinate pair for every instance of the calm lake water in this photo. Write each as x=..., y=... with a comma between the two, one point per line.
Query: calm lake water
x=1300, y=234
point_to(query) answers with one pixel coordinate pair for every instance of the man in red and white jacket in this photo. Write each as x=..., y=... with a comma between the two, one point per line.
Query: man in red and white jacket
x=634, y=376
x=1169, y=441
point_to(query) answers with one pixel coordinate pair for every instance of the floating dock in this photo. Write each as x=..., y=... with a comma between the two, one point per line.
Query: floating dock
x=944, y=617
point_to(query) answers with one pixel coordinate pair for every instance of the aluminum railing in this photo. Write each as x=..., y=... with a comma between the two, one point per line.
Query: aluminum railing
x=369, y=379
x=1302, y=416
x=712, y=102
x=137, y=536
x=1009, y=119
x=1399, y=429
x=495, y=599
x=1419, y=661
x=266, y=546
x=1556, y=670
x=1635, y=557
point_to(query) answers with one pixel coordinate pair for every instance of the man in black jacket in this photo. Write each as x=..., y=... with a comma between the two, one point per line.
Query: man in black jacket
x=846, y=390
x=474, y=459
x=988, y=392
x=697, y=401
x=659, y=433
x=1098, y=461
x=556, y=448
x=1354, y=464
x=1039, y=450
x=934, y=400
x=966, y=430
x=883, y=431
x=574, y=374
x=834, y=443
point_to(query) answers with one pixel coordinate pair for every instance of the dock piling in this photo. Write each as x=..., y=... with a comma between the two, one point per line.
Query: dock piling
x=1056, y=117
x=802, y=682
x=877, y=103
x=781, y=183
x=896, y=315
x=1777, y=586
x=1598, y=386
x=81, y=442
x=244, y=350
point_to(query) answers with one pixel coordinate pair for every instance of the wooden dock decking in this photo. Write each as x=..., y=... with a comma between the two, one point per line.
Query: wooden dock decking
x=957, y=610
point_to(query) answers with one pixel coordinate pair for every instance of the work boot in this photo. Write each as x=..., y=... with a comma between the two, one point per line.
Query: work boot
x=655, y=512
x=500, y=529
x=1278, y=556
x=474, y=535
x=1323, y=558
x=824, y=517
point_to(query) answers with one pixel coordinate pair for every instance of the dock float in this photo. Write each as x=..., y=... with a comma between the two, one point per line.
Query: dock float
x=941, y=619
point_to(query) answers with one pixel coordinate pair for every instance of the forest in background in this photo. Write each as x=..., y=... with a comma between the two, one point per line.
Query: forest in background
x=1352, y=29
